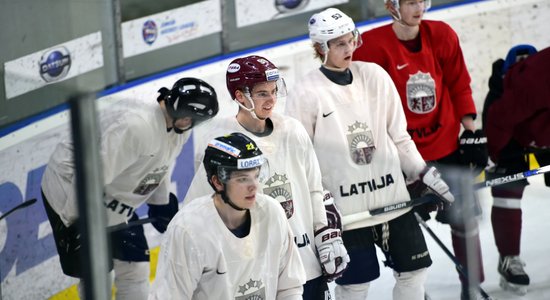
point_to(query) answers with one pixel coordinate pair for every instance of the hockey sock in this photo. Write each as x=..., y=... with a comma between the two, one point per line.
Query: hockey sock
x=458, y=237
x=507, y=230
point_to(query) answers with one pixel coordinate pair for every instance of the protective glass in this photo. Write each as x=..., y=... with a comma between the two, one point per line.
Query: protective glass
x=250, y=171
x=279, y=91
x=340, y=44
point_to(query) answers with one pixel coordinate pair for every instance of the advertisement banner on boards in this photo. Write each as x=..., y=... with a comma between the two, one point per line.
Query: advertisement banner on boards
x=249, y=12
x=52, y=65
x=171, y=27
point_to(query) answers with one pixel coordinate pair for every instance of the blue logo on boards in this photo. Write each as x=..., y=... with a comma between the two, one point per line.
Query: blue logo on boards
x=149, y=32
x=55, y=64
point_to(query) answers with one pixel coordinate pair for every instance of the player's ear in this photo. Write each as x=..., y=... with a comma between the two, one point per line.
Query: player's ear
x=218, y=186
x=239, y=96
x=319, y=49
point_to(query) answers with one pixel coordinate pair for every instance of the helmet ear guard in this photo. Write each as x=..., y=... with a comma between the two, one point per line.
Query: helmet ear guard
x=190, y=97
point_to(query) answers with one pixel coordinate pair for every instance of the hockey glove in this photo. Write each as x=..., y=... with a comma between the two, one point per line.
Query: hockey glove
x=473, y=150
x=431, y=182
x=333, y=255
x=163, y=214
x=130, y=244
x=334, y=217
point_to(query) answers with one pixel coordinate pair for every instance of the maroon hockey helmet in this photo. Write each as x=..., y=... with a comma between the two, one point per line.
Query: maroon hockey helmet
x=243, y=73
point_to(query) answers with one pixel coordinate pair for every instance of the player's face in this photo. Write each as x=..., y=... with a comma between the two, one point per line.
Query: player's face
x=341, y=50
x=183, y=123
x=242, y=187
x=412, y=11
x=264, y=95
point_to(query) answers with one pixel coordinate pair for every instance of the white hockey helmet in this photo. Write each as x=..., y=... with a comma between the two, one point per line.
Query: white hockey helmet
x=395, y=5
x=329, y=24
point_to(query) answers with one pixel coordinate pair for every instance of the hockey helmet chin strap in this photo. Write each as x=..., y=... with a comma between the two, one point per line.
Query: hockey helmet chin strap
x=250, y=110
x=229, y=202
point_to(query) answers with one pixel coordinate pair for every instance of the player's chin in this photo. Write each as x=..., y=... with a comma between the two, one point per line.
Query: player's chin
x=266, y=113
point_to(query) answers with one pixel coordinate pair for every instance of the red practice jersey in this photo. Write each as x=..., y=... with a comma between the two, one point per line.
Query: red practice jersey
x=433, y=83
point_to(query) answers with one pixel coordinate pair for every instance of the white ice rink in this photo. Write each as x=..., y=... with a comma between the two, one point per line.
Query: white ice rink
x=443, y=283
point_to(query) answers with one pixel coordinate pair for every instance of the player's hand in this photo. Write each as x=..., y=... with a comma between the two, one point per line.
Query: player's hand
x=431, y=177
x=163, y=214
x=333, y=255
x=473, y=150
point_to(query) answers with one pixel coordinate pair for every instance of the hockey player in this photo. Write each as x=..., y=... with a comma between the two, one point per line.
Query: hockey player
x=235, y=243
x=138, y=151
x=516, y=124
x=353, y=115
x=255, y=84
x=425, y=61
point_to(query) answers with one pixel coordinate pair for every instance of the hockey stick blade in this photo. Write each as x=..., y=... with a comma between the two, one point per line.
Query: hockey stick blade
x=511, y=178
x=389, y=208
x=130, y=224
x=22, y=205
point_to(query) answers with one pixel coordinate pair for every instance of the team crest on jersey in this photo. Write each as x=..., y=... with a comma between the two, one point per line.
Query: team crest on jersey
x=151, y=181
x=360, y=143
x=278, y=187
x=252, y=290
x=421, y=93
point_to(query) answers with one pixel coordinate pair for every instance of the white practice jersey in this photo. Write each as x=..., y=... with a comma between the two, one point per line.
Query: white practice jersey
x=360, y=137
x=137, y=154
x=200, y=258
x=295, y=178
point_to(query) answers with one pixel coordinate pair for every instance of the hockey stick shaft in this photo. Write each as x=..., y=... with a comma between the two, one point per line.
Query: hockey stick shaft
x=22, y=205
x=511, y=178
x=458, y=266
x=389, y=208
x=130, y=224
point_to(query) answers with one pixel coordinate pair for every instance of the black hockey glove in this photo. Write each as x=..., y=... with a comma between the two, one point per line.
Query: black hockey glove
x=130, y=244
x=473, y=150
x=163, y=214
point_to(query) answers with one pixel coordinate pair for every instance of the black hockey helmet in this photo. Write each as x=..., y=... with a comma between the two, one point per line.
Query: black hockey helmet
x=190, y=97
x=232, y=152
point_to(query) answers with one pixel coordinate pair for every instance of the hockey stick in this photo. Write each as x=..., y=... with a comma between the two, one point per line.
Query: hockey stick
x=389, y=208
x=458, y=266
x=130, y=224
x=511, y=178
x=433, y=198
x=22, y=205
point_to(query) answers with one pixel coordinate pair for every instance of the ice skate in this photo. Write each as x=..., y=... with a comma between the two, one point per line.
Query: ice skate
x=473, y=294
x=513, y=277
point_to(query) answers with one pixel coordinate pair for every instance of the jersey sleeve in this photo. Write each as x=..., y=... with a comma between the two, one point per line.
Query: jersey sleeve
x=292, y=275
x=313, y=173
x=179, y=267
x=455, y=74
